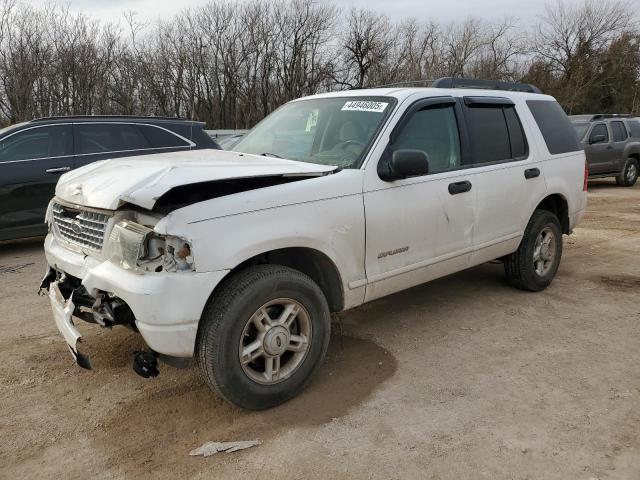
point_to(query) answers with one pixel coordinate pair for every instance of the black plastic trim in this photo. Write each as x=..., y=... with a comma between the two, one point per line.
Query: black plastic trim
x=487, y=101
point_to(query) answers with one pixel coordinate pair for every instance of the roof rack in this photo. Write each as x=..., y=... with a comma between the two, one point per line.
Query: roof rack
x=452, y=82
x=598, y=116
x=602, y=116
x=138, y=117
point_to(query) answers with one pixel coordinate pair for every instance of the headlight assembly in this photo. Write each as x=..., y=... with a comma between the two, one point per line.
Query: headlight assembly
x=126, y=245
x=136, y=247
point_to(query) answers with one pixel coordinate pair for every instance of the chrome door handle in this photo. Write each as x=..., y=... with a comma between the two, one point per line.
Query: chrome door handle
x=57, y=170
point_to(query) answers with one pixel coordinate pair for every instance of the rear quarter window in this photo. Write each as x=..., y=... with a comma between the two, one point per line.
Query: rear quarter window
x=161, y=138
x=557, y=131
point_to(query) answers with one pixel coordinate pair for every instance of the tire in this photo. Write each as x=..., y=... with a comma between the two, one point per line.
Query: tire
x=521, y=268
x=241, y=316
x=629, y=174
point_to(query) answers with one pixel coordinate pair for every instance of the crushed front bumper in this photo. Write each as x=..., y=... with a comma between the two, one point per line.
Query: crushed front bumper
x=63, y=315
x=166, y=306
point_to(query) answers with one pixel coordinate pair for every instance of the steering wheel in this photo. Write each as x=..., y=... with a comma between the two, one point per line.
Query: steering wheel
x=348, y=143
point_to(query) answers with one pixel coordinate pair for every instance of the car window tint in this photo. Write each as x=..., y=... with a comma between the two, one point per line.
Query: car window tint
x=106, y=137
x=489, y=133
x=599, y=129
x=516, y=133
x=161, y=138
x=559, y=135
x=619, y=132
x=433, y=130
x=39, y=142
x=634, y=128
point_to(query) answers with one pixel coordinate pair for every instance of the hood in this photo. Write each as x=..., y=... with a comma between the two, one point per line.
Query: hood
x=142, y=180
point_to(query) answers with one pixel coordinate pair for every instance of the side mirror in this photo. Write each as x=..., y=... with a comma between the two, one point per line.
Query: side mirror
x=404, y=164
x=597, y=139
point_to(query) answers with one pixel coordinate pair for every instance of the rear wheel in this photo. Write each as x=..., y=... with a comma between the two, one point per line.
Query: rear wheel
x=534, y=265
x=263, y=335
x=629, y=174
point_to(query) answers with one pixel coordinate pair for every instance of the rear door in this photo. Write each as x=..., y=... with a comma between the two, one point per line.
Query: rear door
x=619, y=136
x=509, y=179
x=31, y=161
x=600, y=153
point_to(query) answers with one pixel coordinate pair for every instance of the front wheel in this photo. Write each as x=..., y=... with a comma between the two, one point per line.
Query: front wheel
x=262, y=336
x=534, y=265
x=629, y=174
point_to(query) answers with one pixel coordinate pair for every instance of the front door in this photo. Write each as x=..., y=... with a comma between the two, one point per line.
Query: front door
x=600, y=152
x=420, y=228
x=31, y=161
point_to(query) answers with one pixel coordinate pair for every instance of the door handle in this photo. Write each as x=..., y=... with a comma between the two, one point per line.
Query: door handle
x=459, y=187
x=531, y=173
x=57, y=170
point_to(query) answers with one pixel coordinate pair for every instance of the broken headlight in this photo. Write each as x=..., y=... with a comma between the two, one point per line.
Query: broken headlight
x=136, y=247
x=126, y=244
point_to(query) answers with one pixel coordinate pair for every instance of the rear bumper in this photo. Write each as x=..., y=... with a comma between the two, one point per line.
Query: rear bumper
x=167, y=306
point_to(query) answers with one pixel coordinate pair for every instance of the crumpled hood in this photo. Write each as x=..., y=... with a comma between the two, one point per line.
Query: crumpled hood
x=141, y=180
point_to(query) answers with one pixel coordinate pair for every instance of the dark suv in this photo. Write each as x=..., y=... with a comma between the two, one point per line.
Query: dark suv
x=34, y=154
x=612, y=146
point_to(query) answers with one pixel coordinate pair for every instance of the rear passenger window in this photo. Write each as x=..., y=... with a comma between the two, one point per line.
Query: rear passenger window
x=433, y=130
x=555, y=127
x=109, y=137
x=619, y=132
x=489, y=134
x=634, y=128
x=161, y=138
x=516, y=133
x=496, y=133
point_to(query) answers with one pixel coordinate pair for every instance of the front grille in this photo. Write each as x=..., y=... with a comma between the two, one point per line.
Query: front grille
x=80, y=227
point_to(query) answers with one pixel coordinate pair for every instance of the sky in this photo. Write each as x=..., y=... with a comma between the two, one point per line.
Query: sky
x=441, y=11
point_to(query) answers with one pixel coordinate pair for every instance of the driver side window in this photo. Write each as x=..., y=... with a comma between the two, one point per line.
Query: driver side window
x=433, y=130
x=600, y=129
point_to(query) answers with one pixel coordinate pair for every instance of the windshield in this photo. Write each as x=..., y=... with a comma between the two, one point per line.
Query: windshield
x=581, y=129
x=326, y=131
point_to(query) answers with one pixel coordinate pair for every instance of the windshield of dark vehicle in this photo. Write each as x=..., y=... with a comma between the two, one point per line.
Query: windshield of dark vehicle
x=581, y=129
x=326, y=131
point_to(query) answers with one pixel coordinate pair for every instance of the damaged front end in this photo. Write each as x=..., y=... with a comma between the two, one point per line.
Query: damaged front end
x=123, y=238
x=70, y=301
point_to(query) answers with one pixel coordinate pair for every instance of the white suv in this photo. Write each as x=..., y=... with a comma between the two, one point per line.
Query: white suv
x=238, y=258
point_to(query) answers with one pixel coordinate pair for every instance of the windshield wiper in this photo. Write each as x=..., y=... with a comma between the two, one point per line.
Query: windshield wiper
x=267, y=154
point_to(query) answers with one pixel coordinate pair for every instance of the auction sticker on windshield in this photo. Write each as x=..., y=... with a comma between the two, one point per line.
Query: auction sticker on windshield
x=364, y=106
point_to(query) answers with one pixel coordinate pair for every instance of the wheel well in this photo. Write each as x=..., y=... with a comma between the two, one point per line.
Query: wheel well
x=557, y=205
x=309, y=261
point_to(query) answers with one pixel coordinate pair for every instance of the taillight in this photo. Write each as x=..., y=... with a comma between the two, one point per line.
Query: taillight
x=586, y=176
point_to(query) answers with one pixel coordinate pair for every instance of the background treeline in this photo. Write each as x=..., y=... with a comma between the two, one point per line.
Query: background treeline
x=230, y=63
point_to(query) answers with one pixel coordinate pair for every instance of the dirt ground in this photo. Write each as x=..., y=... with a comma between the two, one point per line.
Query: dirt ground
x=460, y=378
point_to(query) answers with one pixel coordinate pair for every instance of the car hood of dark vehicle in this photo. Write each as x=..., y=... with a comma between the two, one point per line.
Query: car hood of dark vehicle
x=142, y=180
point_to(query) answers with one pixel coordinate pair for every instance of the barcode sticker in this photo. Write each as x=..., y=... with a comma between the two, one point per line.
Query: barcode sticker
x=364, y=106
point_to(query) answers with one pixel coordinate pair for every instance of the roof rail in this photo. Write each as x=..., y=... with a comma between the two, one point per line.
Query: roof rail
x=137, y=117
x=601, y=116
x=408, y=83
x=453, y=82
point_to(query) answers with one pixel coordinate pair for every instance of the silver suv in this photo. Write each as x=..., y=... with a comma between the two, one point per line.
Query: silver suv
x=612, y=145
